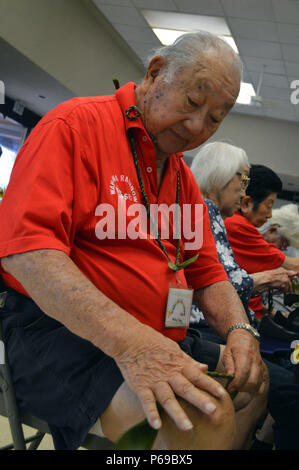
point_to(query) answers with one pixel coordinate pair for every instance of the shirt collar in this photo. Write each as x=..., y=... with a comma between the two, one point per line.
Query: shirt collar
x=126, y=98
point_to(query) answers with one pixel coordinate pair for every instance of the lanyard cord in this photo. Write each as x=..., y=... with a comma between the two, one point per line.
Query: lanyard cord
x=133, y=113
x=147, y=205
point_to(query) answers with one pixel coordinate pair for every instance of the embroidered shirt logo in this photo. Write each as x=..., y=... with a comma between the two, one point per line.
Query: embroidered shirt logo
x=295, y=353
x=127, y=193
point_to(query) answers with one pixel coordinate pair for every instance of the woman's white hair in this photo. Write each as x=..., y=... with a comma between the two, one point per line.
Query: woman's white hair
x=287, y=217
x=190, y=47
x=216, y=164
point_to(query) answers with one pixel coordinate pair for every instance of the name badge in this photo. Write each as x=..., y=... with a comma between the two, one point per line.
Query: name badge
x=178, y=309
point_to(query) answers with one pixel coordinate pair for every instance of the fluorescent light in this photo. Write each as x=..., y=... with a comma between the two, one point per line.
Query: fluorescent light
x=168, y=26
x=167, y=36
x=246, y=92
x=186, y=22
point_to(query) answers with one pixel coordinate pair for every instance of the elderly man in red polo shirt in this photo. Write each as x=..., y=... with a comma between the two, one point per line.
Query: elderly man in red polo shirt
x=101, y=308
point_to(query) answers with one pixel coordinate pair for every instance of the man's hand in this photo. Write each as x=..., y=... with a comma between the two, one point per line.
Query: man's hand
x=155, y=368
x=243, y=360
x=222, y=309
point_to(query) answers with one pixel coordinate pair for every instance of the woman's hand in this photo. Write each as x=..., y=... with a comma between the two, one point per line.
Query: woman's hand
x=279, y=279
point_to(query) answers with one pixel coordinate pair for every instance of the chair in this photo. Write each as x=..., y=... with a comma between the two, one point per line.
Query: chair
x=276, y=340
x=9, y=408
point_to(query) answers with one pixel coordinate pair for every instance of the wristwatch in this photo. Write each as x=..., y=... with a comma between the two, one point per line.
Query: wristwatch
x=244, y=326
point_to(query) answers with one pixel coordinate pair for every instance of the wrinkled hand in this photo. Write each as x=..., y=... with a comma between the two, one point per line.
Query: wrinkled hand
x=155, y=368
x=280, y=279
x=243, y=360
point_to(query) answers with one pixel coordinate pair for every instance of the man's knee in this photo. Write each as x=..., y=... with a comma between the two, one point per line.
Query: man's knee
x=210, y=432
x=118, y=419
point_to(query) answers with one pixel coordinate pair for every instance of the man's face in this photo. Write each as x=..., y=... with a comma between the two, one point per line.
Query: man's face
x=183, y=114
x=264, y=211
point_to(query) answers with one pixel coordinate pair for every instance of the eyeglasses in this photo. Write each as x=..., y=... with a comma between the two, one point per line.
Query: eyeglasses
x=245, y=180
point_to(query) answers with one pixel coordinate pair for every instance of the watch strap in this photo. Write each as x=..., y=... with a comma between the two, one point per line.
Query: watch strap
x=244, y=326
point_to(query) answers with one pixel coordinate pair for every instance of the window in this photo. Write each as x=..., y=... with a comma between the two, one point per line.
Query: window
x=12, y=136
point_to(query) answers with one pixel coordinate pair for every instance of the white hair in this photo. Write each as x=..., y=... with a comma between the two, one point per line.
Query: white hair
x=190, y=47
x=287, y=217
x=216, y=164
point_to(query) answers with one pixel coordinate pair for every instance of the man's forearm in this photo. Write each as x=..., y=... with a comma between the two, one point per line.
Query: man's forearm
x=221, y=306
x=61, y=290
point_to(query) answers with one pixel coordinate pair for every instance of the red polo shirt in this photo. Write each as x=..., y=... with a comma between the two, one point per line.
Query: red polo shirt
x=77, y=159
x=251, y=251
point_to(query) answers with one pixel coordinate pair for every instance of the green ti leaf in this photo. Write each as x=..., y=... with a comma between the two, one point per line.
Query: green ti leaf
x=229, y=378
x=178, y=267
x=140, y=437
x=173, y=266
x=116, y=83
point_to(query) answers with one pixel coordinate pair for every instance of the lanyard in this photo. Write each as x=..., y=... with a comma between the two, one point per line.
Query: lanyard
x=174, y=267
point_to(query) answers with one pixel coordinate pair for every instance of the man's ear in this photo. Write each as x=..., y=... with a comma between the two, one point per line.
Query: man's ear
x=246, y=205
x=154, y=68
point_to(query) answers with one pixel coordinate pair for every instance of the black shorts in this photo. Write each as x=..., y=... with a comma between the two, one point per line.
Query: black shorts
x=62, y=378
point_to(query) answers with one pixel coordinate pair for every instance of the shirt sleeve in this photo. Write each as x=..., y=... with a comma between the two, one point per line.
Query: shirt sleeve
x=207, y=269
x=36, y=211
x=251, y=250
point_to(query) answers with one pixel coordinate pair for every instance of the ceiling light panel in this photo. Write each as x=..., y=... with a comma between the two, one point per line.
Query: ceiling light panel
x=246, y=92
x=186, y=22
x=168, y=26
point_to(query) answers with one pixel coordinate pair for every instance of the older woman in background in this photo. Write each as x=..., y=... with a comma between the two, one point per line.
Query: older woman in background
x=221, y=171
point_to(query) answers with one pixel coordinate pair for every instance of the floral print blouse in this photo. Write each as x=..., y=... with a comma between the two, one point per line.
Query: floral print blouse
x=240, y=279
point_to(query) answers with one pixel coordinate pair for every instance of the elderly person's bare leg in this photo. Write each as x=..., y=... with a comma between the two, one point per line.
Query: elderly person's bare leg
x=216, y=431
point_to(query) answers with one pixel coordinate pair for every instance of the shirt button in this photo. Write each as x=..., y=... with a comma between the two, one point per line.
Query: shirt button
x=149, y=169
x=144, y=138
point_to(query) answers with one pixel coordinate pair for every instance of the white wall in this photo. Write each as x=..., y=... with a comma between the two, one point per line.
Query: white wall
x=266, y=141
x=71, y=41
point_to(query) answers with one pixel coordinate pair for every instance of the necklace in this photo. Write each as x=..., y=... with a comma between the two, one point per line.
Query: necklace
x=133, y=113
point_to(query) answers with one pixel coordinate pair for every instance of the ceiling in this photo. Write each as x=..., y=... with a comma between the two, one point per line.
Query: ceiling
x=266, y=33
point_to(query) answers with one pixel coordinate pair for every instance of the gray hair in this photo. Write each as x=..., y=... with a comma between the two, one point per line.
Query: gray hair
x=190, y=47
x=216, y=164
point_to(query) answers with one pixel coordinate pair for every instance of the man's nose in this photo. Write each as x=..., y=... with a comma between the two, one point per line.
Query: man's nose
x=195, y=123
